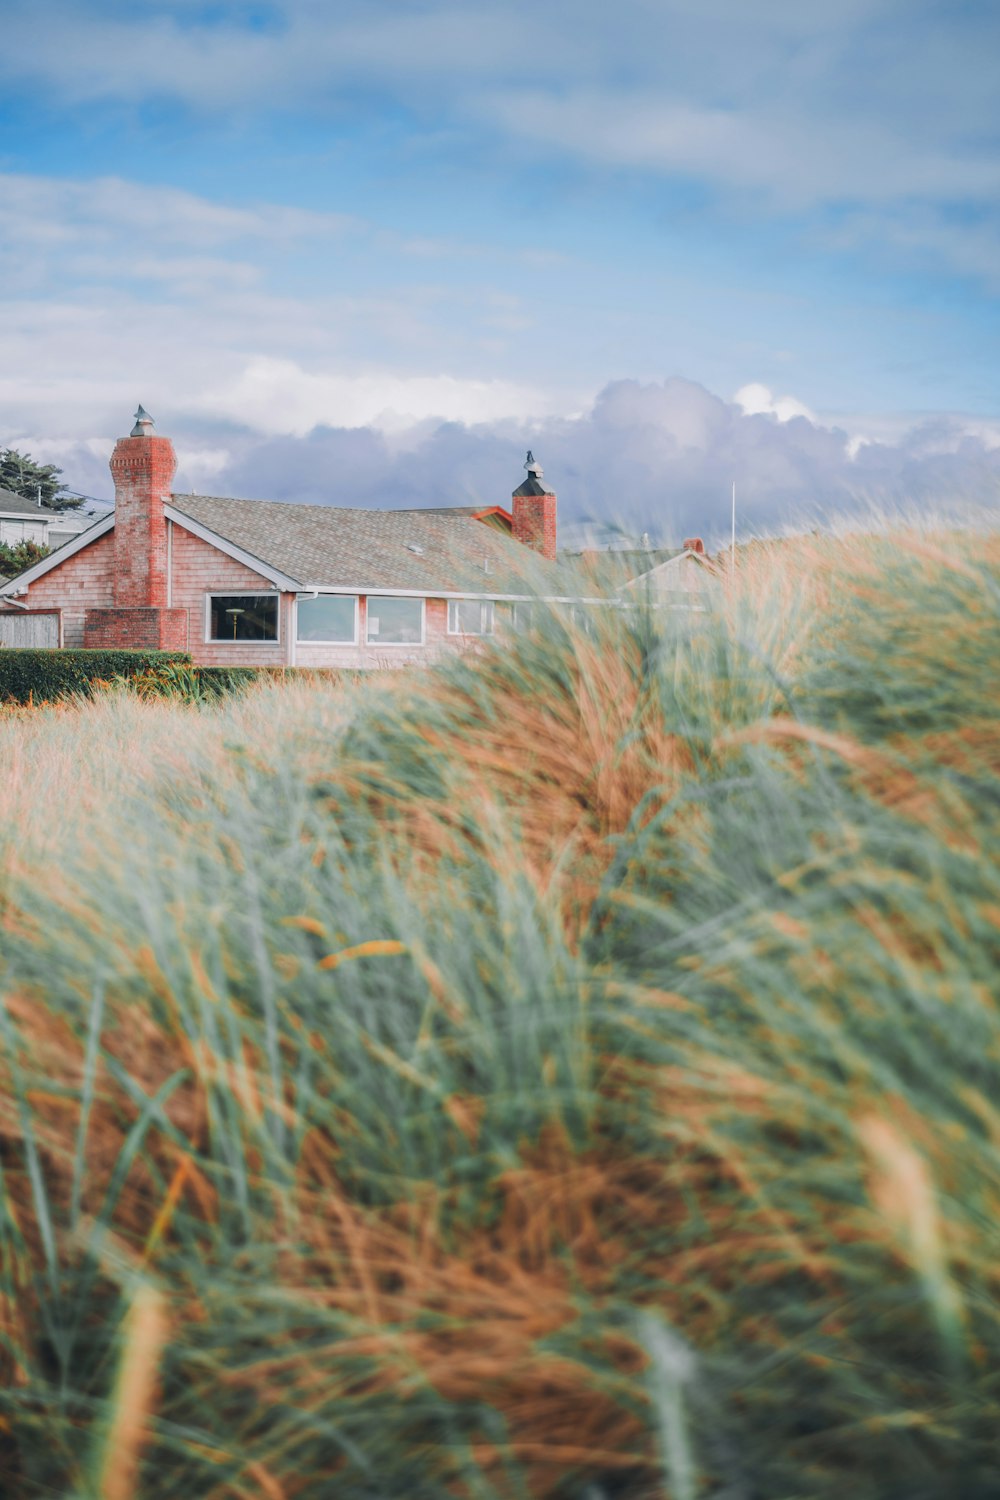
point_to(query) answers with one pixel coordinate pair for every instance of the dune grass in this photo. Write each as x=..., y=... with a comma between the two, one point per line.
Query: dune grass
x=568, y=1072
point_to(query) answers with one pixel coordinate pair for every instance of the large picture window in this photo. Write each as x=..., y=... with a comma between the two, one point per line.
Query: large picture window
x=330, y=618
x=470, y=616
x=395, y=622
x=243, y=617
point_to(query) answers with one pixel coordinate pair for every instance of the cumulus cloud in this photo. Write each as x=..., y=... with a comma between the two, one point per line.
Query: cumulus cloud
x=276, y=395
x=657, y=457
x=646, y=456
x=756, y=399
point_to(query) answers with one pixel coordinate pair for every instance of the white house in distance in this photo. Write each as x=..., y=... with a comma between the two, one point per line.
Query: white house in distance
x=263, y=582
x=24, y=520
x=670, y=577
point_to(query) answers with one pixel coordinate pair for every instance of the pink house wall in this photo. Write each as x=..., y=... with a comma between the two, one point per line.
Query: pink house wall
x=84, y=581
x=198, y=569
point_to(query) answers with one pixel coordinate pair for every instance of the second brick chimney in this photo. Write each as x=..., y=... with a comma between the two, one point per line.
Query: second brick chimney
x=533, y=508
x=143, y=467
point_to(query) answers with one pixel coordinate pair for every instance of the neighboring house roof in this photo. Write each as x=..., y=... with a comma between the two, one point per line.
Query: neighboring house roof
x=620, y=565
x=422, y=551
x=20, y=505
x=481, y=512
x=685, y=581
x=664, y=571
x=59, y=555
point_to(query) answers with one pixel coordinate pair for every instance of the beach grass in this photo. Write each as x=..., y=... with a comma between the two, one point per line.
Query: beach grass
x=567, y=1071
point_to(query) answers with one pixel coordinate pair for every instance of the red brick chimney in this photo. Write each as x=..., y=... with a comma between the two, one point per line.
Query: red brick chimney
x=533, y=508
x=143, y=467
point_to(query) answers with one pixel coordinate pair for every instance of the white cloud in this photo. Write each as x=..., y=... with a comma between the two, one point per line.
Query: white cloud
x=756, y=399
x=942, y=432
x=776, y=146
x=656, y=456
x=839, y=105
x=51, y=213
x=114, y=291
x=278, y=396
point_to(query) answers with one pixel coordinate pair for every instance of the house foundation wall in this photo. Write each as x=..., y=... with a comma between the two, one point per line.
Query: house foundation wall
x=136, y=629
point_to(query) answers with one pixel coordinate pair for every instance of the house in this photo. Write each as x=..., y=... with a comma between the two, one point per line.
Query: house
x=258, y=582
x=681, y=577
x=23, y=520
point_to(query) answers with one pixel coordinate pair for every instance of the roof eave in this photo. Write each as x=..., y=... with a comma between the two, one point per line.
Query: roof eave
x=384, y=591
x=670, y=562
x=494, y=510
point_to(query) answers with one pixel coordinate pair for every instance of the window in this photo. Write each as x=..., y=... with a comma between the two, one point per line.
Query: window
x=243, y=617
x=395, y=622
x=470, y=617
x=525, y=617
x=328, y=618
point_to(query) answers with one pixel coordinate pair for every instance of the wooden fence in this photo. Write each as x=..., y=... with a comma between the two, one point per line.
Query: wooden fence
x=29, y=627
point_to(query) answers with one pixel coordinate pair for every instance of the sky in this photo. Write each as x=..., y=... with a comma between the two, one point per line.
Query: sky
x=366, y=252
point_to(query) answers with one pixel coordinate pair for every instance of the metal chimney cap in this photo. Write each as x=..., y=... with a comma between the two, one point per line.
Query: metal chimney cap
x=143, y=424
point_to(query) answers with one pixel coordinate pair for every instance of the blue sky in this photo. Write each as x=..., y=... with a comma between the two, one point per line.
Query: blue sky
x=373, y=249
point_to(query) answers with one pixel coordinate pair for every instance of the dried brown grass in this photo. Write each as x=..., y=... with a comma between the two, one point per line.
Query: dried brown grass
x=475, y=1310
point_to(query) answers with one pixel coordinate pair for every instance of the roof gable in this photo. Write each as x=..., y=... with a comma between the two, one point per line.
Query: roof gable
x=232, y=549
x=61, y=554
x=662, y=573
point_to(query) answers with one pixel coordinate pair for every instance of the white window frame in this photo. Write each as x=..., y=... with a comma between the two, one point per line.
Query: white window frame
x=484, y=604
x=213, y=640
x=378, y=645
x=327, y=594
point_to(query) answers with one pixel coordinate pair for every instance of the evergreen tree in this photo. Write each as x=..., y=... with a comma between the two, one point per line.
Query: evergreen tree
x=20, y=474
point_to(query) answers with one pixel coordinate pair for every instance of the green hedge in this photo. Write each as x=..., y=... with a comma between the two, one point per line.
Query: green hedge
x=43, y=675
x=215, y=681
x=218, y=680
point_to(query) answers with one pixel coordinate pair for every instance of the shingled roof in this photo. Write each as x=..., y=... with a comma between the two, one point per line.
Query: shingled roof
x=426, y=551
x=20, y=505
x=614, y=567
